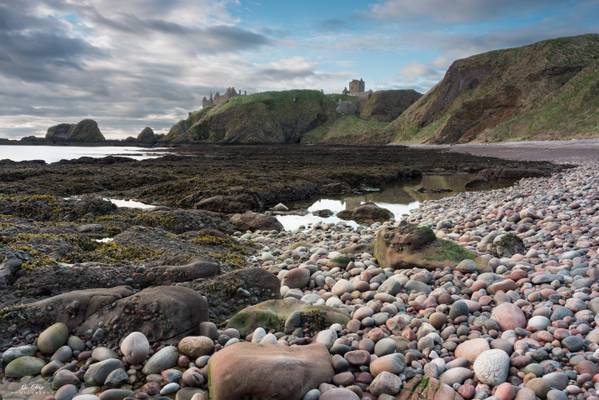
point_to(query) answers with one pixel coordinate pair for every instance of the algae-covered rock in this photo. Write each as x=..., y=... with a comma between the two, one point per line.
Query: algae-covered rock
x=228, y=293
x=507, y=244
x=24, y=366
x=409, y=246
x=286, y=314
x=427, y=388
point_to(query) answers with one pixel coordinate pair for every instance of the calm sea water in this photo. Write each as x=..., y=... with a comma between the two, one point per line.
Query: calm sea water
x=52, y=154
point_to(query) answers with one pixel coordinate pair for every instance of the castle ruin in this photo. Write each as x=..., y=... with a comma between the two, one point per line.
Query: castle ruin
x=217, y=98
x=356, y=88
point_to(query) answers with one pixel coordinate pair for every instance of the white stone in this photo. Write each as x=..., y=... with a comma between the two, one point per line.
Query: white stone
x=492, y=367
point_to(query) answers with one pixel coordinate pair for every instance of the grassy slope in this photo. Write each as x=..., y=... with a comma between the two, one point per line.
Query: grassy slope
x=571, y=113
x=479, y=85
x=348, y=129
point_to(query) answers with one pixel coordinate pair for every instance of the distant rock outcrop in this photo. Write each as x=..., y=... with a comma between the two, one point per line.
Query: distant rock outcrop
x=147, y=136
x=85, y=131
x=546, y=90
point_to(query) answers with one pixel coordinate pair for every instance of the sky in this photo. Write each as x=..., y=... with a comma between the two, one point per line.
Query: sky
x=135, y=63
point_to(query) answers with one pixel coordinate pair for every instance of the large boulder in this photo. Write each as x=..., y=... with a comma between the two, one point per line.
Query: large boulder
x=252, y=221
x=367, y=213
x=85, y=131
x=236, y=200
x=507, y=244
x=147, y=136
x=231, y=292
x=161, y=313
x=286, y=315
x=409, y=246
x=245, y=370
x=71, y=308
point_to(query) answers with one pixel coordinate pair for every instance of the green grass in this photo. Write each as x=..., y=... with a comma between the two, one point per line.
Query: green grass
x=447, y=250
x=344, y=129
x=279, y=102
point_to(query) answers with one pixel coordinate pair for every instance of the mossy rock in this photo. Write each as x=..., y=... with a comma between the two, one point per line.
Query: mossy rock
x=24, y=366
x=427, y=388
x=285, y=315
x=340, y=260
x=508, y=244
x=410, y=246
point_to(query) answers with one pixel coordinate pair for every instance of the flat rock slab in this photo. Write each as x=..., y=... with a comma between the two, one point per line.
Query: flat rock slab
x=268, y=371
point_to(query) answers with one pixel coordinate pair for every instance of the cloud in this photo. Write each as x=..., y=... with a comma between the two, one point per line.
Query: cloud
x=451, y=12
x=418, y=76
x=125, y=63
x=132, y=63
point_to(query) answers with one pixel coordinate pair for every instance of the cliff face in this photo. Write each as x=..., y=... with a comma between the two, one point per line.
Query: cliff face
x=386, y=105
x=85, y=131
x=546, y=90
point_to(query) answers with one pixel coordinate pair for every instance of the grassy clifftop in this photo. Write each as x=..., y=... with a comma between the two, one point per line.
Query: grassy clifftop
x=546, y=90
x=294, y=116
x=268, y=117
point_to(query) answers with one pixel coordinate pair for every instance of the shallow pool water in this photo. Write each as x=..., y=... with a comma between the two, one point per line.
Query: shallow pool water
x=131, y=204
x=399, y=198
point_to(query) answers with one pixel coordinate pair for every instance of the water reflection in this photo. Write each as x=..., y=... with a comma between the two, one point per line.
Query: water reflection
x=398, y=198
x=52, y=154
x=131, y=204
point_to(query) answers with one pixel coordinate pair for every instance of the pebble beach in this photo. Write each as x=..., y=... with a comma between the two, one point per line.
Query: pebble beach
x=521, y=324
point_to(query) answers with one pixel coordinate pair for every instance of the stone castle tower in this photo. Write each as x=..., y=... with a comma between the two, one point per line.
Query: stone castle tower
x=357, y=86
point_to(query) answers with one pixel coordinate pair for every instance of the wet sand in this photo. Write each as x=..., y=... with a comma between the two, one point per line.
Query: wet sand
x=562, y=152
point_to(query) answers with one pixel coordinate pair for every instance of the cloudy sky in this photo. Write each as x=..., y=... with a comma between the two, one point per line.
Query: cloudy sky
x=135, y=63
